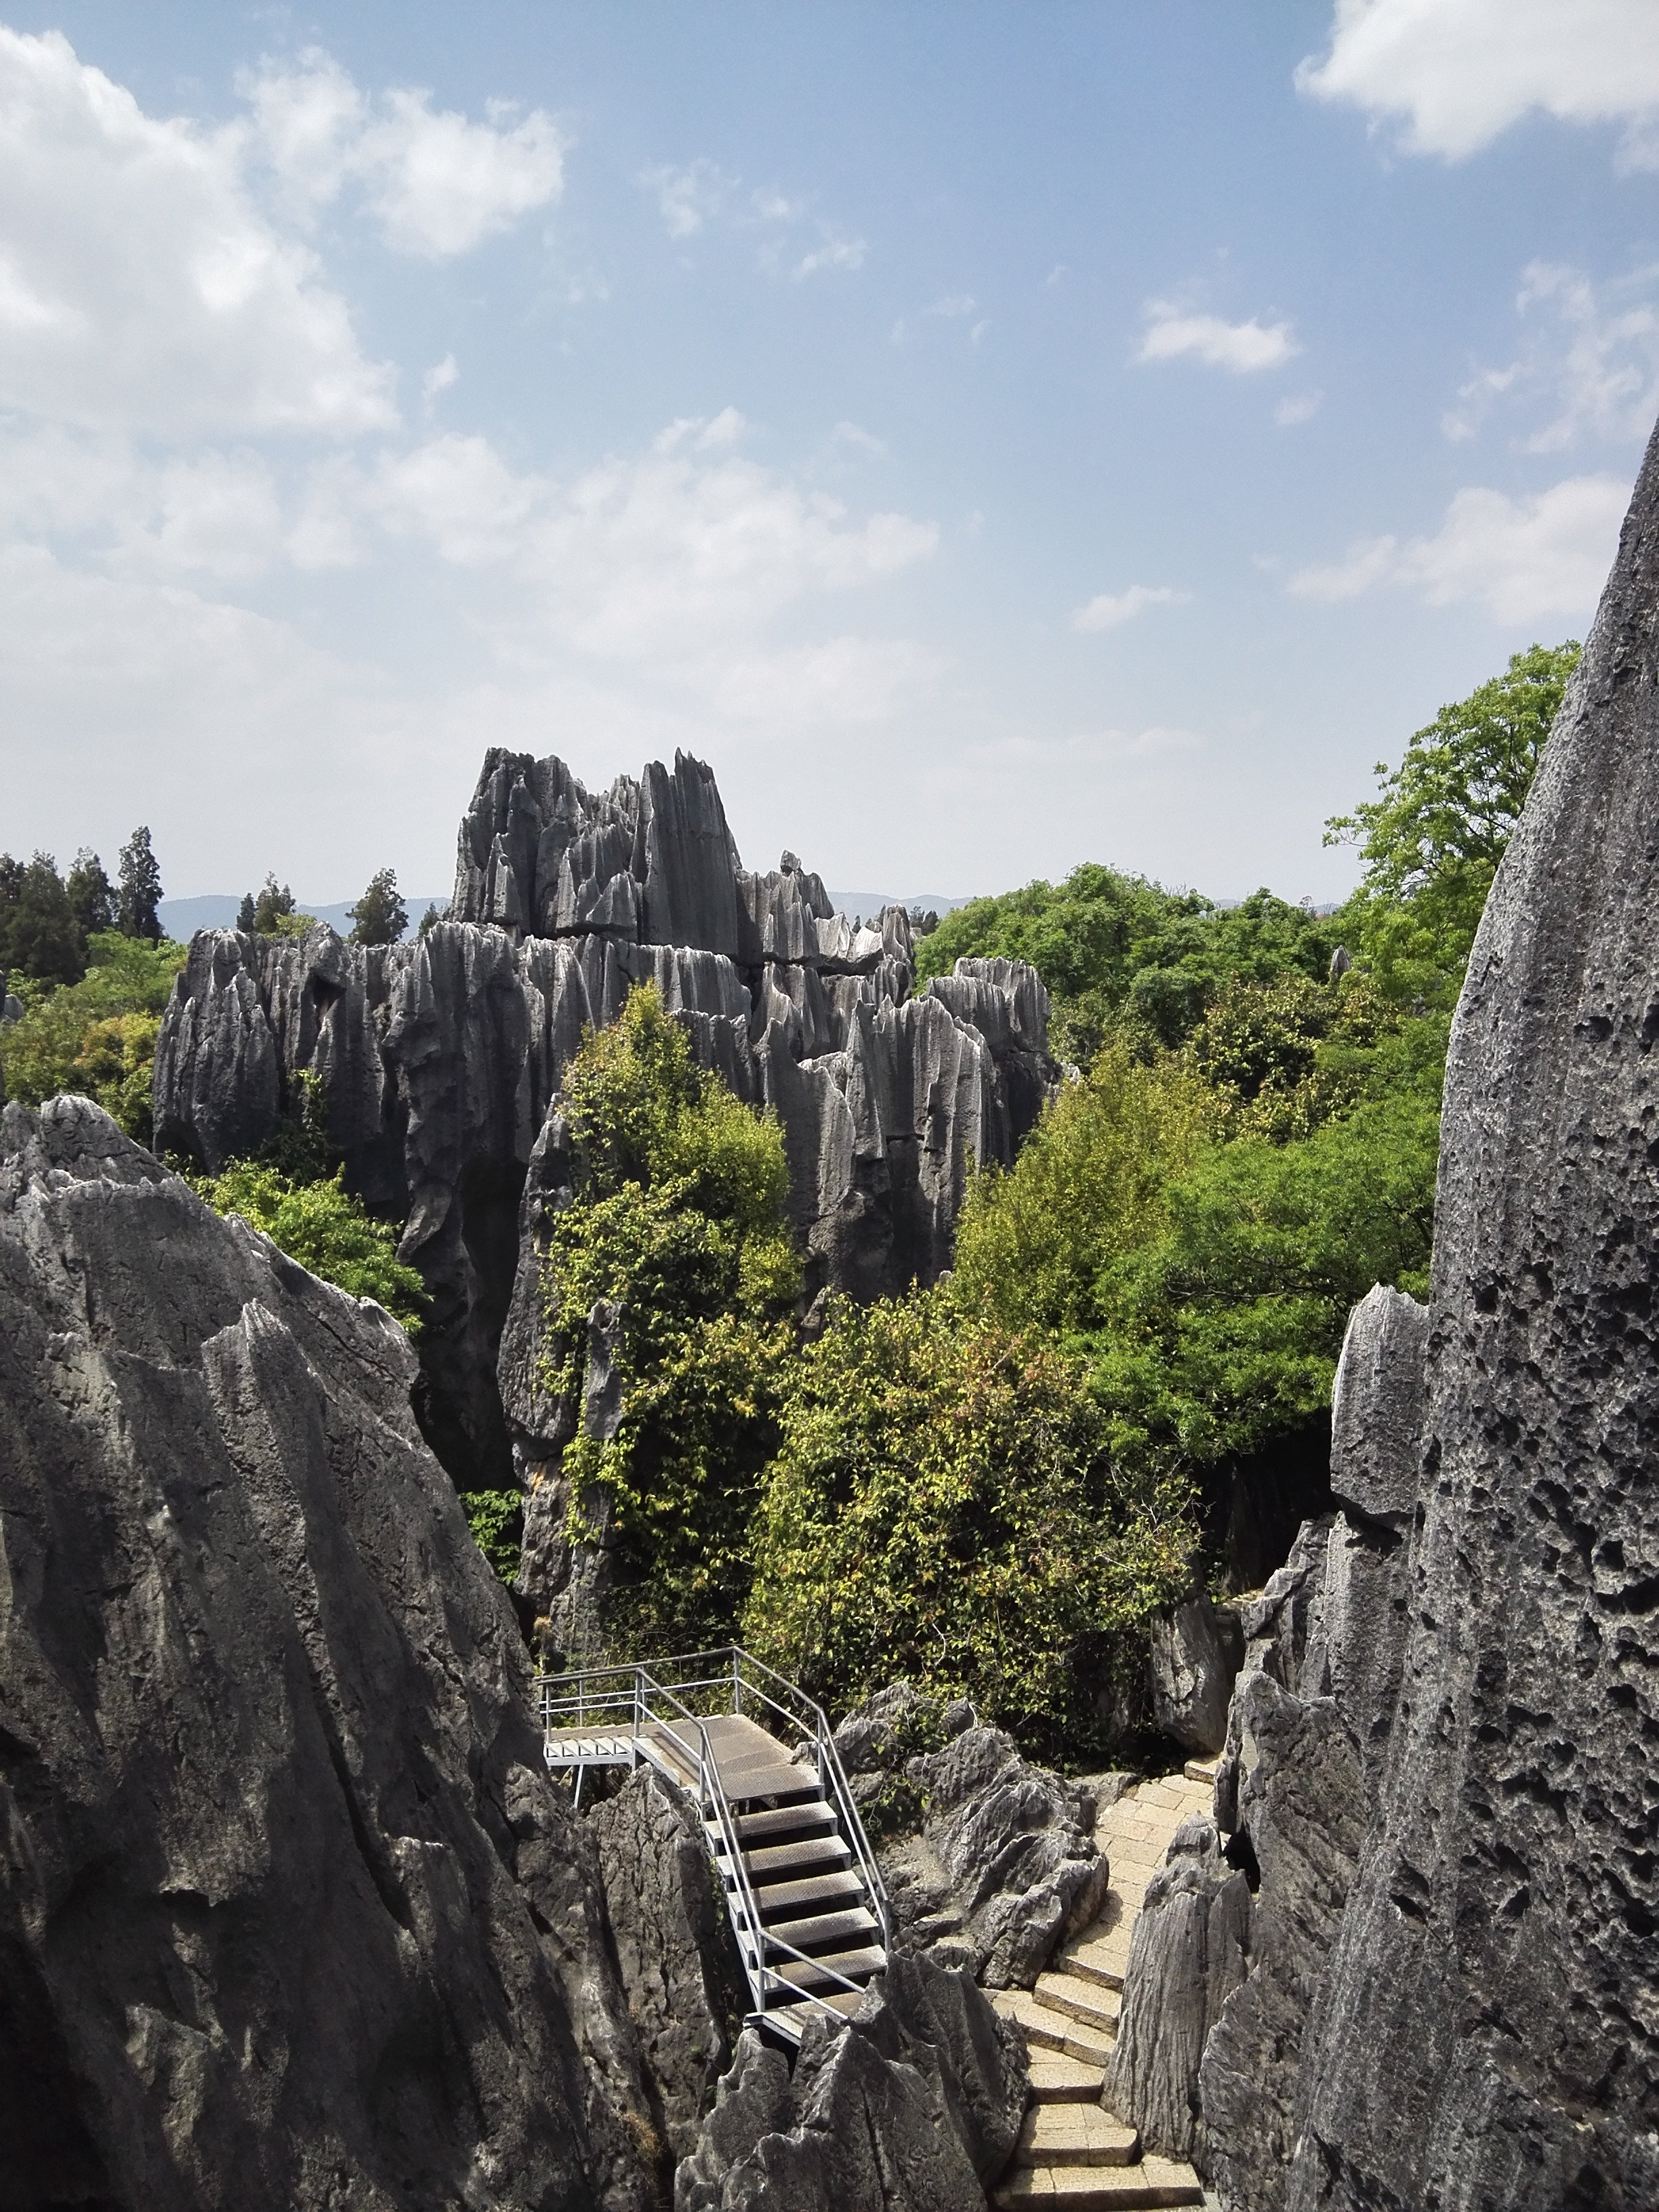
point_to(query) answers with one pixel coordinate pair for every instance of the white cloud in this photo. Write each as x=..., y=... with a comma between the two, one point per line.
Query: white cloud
x=687, y=198
x=1459, y=72
x=1301, y=408
x=1086, y=749
x=1592, y=357
x=952, y=304
x=1523, y=559
x=1110, y=609
x=836, y=251
x=142, y=287
x=438, y=183
x=1173, y=334
x=440, y=376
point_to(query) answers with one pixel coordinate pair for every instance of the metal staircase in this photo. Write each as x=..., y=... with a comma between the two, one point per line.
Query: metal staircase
x=803, y=1893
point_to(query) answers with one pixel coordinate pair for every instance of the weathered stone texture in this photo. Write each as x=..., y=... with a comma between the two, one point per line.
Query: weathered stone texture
x=290, y=1916
x=1194, y=1655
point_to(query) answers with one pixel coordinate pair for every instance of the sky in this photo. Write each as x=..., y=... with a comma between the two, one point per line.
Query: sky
x=995, y=434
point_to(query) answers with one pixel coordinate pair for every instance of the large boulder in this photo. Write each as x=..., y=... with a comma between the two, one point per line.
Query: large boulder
x=1194, y=1654
x=1487, y=2036
x=290, y=1916
x=914, y=2106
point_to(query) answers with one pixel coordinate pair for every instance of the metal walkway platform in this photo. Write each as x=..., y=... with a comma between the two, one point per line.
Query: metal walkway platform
x=803, y=1891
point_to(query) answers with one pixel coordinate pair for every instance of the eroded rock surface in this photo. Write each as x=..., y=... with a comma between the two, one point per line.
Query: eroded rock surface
x=441, y=1061
x=912, y=2108
x=290, y=1916
x=1193, y=1656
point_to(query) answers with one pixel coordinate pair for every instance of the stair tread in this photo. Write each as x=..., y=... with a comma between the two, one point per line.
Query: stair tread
x=1155, y=2181
x=1089, y=2002
x=784, y=1820
x=825, y=1851
x=1056, y=2079
x=778, y=1899
x=1054, y=2031
x=1075, y=2135
x=823, y=1928
x=1101, y=1959
x=868, y=1961
x=795, y=2016
x=779, y=1781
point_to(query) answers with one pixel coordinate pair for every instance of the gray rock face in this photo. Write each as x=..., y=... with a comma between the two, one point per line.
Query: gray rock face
x=1005, y=1864
x=441, y=1061
x=1186, y=1958
x=1194, y=1655
x=678, y=1964
x=1377, y=1408
x=290, y=1913
x=912, y=2108
x=1496, y=1966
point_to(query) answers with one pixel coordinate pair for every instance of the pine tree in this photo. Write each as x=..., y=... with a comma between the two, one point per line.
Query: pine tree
x=379, y=916
x=274, y=901
x=429, y=920
x=244, y=914
x=91, y=894
x=141, y=888
x=44, y=940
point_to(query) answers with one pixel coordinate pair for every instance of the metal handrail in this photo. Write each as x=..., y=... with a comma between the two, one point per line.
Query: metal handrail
x=644, y=1681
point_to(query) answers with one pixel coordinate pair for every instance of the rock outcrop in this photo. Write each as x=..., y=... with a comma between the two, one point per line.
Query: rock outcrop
x=993, y=1861
x=914, y=2106
x=440, y=1062
x=680, y=1970
x=290, y=1916
x=1194, y=1655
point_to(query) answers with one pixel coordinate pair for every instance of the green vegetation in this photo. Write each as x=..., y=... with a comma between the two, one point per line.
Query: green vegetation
x=496, y=1520
x=96, y=1035
x=379, y=916
x=319, y=1224
x=678, y=1219
x=1433, y=841
x=140, y=890
x=944, y=1507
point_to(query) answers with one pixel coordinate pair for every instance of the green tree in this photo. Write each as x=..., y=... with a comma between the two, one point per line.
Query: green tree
x=43, y=942
x=97, y=1036
x=379, y=916
x=1431, y=841
x=274, y=904
x=324, y=1228
x=429, y=920
x=944, y=1508
x=141, y=888
x=245, y=915
x=678, y=1217
x=91, y=894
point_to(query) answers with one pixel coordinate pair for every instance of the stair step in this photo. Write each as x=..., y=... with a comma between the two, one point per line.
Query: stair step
x=1054, y=2031
x=793, y=2018
x=1088, y=2002
x=777, y=1781
x=825, y=1852
x=1201, y=1770
x=836, y=1890
x=860, y=1965
x=1075, y=2135
x=1058, y=2080
x=784, y=1822
x=1101, y=1959
x=824, y=1928
x=1155, y=2181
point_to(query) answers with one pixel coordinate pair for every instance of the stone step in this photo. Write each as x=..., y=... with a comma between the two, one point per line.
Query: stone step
x=1075, y=2135
x=1095, y=2007
x=1155, y=2181
x=822, y=1929
x=1058, y=2080
x=838, y=1891
x=784, y=1822
x=1050, y=2031
x=1101, y=1959
x=1202, y=1769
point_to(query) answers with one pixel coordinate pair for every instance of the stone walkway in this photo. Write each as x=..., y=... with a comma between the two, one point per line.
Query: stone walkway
x=1074, y=2150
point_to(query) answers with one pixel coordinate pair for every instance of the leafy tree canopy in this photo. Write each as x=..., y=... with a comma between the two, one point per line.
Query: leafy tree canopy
x=273, y=905
x=1432, y=839
x=141, y=888
x=678, y=1217
x=379, y=916
x=324, y=1228
x=944, y=1507
x=91, y=894
x=97, y=1036
x=245, y=915
x=43, y=943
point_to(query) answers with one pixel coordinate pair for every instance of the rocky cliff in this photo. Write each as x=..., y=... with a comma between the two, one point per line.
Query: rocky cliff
x=290, y=1916
x=1441, y=1781
x=440, y=1062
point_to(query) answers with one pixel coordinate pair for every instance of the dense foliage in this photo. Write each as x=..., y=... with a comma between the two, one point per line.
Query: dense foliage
x=97, y=1035
x=677, y=1218
x=319, y=1224
x=944, y=1507
x=379, y=916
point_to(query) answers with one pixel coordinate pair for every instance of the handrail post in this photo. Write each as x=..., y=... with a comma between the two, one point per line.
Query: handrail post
x=737, y=1679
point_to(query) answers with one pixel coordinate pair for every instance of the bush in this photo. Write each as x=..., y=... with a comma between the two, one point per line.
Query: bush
x=496, y=1520
x=322, y=1226
x=97, y=1036
x=678, y=1217
x=944, y=1508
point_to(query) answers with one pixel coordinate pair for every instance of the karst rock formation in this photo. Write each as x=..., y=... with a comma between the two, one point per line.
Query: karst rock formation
x=439, y=1060
x=1442, y=1773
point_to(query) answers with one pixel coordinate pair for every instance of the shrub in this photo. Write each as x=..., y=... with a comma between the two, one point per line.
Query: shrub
x=97, y=1036
x=324, y=1228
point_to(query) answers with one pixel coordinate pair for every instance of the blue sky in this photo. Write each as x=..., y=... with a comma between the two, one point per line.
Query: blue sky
x=996, y=436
